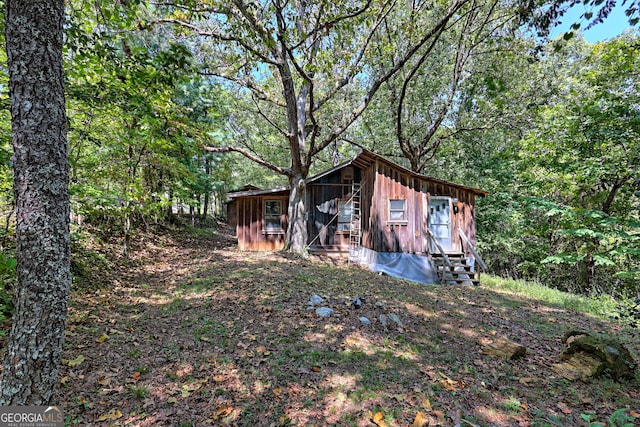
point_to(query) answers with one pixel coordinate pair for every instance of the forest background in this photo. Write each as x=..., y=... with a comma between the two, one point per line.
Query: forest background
x=551, y=129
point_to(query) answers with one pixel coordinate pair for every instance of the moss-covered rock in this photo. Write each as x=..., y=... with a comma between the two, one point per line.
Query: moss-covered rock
x=615, y=358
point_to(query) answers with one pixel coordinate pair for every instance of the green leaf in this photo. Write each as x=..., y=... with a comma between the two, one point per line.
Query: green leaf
x=602, y=260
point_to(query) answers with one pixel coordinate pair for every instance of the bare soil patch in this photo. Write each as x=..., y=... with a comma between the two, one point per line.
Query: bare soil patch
x=190, y=331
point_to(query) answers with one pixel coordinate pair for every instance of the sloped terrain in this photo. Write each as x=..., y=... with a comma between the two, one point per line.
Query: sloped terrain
x=189, y=332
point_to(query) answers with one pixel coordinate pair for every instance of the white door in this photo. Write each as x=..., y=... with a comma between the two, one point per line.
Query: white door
x=440, y=221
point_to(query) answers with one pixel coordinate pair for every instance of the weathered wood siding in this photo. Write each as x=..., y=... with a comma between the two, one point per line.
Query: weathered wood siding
x=383, y=234
x=367, y=206
x=232, y=213
x=382, y=183
x=464, y=218
x=250, y=228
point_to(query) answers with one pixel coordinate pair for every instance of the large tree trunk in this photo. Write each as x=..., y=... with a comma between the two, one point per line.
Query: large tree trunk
x=297, y=226
x=34, y=31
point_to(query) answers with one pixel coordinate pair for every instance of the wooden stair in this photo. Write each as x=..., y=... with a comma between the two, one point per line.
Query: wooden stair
x=458, y=271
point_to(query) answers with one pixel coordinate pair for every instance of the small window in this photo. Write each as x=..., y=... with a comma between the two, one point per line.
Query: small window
x=397, y=210
x=344, y=215
x=273, y=215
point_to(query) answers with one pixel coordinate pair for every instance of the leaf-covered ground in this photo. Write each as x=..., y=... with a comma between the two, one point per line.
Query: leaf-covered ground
x=190, y=331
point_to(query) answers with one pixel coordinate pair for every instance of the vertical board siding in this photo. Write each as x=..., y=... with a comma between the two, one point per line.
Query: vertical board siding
x=368, y=205
x=380, y=182
x=249, y=229
x=389, y=183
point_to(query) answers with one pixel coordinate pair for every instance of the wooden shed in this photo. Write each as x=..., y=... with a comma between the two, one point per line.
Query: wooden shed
x=369, y=203
x=232, y=205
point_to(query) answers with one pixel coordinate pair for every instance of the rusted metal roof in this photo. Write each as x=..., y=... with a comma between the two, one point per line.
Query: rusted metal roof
x=249, y=193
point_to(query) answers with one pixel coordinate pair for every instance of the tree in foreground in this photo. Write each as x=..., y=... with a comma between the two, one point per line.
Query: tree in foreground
x=34, y=38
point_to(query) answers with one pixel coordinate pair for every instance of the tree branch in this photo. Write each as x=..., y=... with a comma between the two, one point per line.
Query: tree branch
x=351, y=71
x=356, y=112
x=250, y=156
x=215, y=35
x=330, y=24
x=257, y=91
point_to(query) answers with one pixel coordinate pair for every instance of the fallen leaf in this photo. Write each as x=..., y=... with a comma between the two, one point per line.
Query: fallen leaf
x=64, y=380
x=277, y=391
x=634, y=414
x=112, y=415
x=284, y=420
x=316, y=368
x=172, y=400
x=222, y=411
x=219, y=378
x=439, y=414
x=135, y=376
x=75, y=362
x=448, y=383
x=378, y=419
x=399, y=397
x=104, y=381
x=102, y=338
x=564, y=408
x=426, y=404
x=420, y=420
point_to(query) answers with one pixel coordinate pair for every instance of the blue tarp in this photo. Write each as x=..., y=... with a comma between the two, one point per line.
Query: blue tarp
x=412, y=267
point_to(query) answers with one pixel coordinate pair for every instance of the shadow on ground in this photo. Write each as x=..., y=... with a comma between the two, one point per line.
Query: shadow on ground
x=193, y=332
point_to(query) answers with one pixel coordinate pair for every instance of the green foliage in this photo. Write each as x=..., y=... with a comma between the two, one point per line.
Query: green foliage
x=7, y=279
x=553, y=136
x=562, y=172
x=581, y=162
x=138, y=119
x=594, y=237
x=6, y=173
x=599, y=305
x=618, y=418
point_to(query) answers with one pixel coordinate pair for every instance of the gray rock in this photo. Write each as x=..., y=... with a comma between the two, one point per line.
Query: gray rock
x=379, y=304
x=383, y=320
x=365, y=321
x=324, y=311
x=395, y=319
x=357, y=303
x=315, y=300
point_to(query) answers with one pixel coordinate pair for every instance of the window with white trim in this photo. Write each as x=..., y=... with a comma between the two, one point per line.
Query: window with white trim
x=273, y=216
x=397, y=210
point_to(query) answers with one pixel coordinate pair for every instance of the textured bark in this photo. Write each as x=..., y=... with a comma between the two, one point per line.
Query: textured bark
x=297, y=227
x=34, y=31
